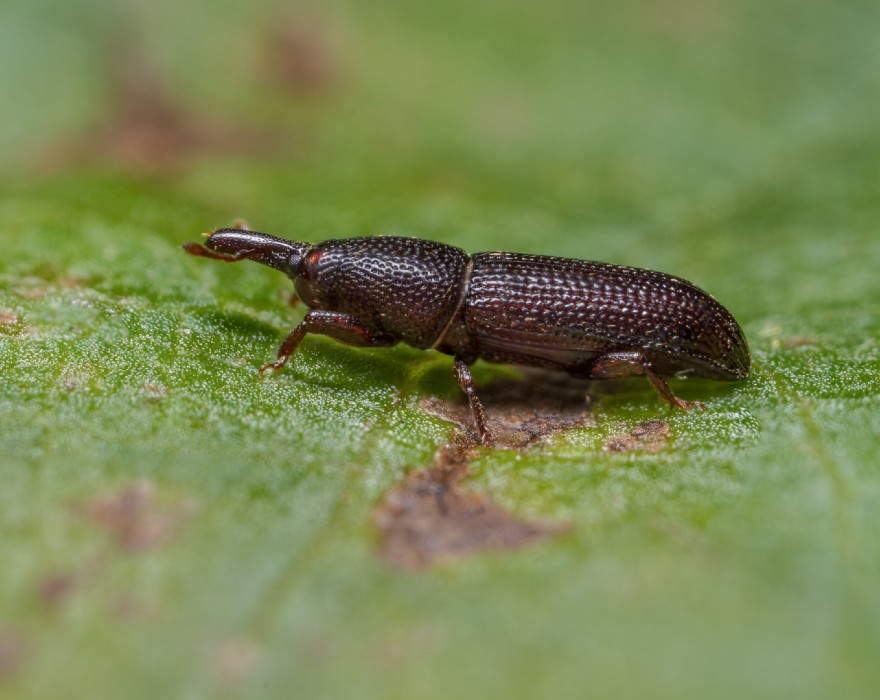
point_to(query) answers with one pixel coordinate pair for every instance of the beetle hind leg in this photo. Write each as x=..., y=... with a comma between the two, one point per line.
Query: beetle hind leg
x=628, y=364
x=466, y=382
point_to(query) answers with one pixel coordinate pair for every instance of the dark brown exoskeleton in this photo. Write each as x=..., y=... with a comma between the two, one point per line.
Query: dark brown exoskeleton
x=592, y=320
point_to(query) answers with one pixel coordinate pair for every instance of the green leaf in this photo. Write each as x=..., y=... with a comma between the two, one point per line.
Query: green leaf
x=175, y=526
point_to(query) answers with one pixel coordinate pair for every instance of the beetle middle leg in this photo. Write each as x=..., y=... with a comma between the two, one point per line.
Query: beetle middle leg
x=627, y=364
x=342, y=327
x=466, y=382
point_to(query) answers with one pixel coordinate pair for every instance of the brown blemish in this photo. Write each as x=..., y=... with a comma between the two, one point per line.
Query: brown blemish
x=301, y=57
x=798, y=341
x=47, y=280
x=318, y=648
x=32, y=293
x=650, y=436
x=127, y=606
x=154, y=390
x=430, y=518
x=9, y=318
x=506, y=117
x=12, y=654
x=233, y=660
x=57, y=588
x=83, y=376
x=135, y=518
x=522, y=412
x=682, y=535
x=68, y=282
x=10, y=322
x=149, y=130
x=688, y=20
x=404, y=646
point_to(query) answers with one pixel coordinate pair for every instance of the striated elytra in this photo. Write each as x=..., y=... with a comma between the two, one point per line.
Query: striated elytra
x=592, y=320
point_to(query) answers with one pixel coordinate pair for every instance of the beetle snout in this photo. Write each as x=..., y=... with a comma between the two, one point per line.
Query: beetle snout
x=235, y=241
x=261, y=247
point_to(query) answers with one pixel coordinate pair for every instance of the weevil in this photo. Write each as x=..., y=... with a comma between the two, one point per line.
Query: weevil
x=590, y=319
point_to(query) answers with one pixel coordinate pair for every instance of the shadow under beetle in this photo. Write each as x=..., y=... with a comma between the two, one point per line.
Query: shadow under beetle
x=592, y=320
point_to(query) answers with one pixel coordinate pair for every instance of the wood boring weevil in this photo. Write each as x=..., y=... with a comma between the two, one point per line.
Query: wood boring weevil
x=590, y=319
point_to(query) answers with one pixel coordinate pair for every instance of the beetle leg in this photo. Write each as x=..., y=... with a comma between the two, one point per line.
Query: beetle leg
x=202, y=252
x=466, y=382
x=342, y=327
x=627, y=364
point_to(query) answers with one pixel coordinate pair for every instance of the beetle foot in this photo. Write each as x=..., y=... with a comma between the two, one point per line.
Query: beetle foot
x=688, y=405
x=272, y=366
x=487, y=438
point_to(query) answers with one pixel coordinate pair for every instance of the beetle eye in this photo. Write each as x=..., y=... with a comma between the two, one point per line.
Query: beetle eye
x=294, y=264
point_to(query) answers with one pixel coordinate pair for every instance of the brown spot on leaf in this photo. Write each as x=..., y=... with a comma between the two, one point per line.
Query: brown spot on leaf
x=505, y=118
x=12, y=654
x=650, y=436
x=404, y=646
x=9, y=318
x=136, y=518
x=10, y=322
x=688, y=20
x=154, y=390
x=80, y=376
x=126, y=606
x=32, y=293
x=318, y=648
x=48, y=279
x=233, y=660
x=798, y=341
x=301, y=56
x=429, y=517
x=149, y=129
x=521, y=412
x=56, y=588
x=69, y=282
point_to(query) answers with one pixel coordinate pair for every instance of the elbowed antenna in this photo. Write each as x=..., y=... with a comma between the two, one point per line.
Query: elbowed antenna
x=232, y=245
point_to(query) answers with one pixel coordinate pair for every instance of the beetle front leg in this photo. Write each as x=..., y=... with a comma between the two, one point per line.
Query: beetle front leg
x=466, y=382
x=627, y=364
x=342, y=327
x=201, y=252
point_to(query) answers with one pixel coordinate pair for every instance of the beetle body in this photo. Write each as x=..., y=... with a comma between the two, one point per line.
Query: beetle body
x=592, y=320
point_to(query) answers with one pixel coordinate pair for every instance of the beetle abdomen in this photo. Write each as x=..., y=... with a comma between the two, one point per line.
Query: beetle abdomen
x=562, y=312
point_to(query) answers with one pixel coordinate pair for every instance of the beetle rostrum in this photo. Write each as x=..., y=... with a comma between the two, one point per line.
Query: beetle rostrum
x=592, y=320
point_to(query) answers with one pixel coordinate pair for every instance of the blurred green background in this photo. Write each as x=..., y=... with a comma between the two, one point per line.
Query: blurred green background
x=170, y=526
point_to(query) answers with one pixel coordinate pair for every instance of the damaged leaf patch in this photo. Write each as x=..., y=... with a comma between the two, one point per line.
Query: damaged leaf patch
x=523, y=412
x=649, y=436
x=135, y=518
x=12, y=654
x=430, y=518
